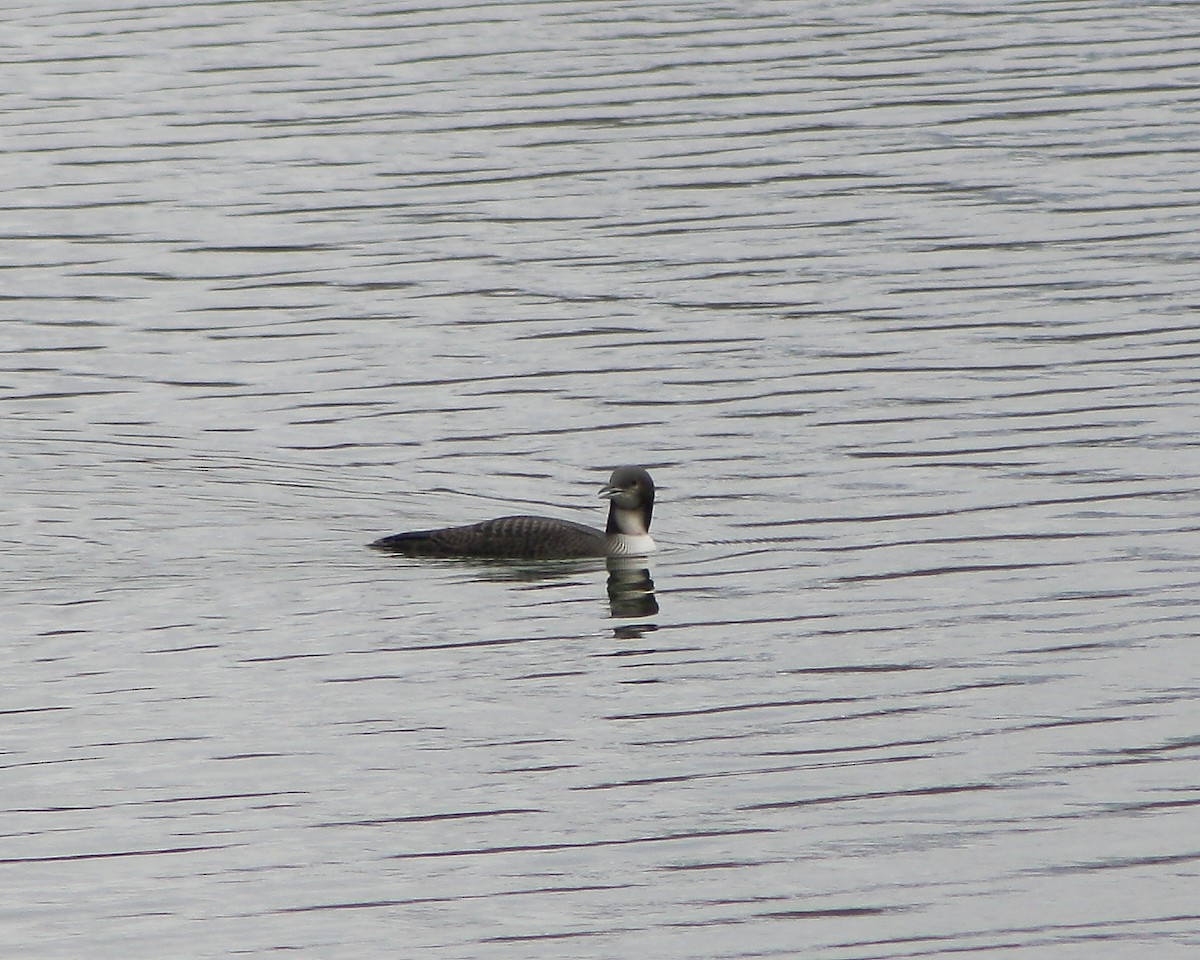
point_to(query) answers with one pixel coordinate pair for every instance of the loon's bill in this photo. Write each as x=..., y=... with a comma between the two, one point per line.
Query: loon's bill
x=630, y=495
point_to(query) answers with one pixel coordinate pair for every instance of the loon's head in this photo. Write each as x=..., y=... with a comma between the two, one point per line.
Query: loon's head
x=631, y=493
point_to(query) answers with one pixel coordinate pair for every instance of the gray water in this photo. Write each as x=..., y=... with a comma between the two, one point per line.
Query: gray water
x=896, y=301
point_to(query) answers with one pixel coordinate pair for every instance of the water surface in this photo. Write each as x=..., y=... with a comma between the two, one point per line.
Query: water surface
x=896, y=302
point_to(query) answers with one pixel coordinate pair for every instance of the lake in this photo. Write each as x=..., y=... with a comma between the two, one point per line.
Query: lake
x=897, y=302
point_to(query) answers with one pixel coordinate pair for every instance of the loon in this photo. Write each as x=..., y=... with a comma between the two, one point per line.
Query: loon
x=630, y=495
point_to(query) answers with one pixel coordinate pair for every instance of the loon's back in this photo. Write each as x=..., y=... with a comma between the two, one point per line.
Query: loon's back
x=528, y=538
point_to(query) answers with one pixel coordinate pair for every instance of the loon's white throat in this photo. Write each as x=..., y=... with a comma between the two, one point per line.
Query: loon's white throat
x=628, y=532
x=630, y=493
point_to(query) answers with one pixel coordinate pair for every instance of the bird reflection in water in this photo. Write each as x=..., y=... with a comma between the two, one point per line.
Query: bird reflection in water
x=630, y=588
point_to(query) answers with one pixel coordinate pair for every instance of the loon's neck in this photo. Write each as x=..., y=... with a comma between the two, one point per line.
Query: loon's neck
x=631, y=522
x=628, y=531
